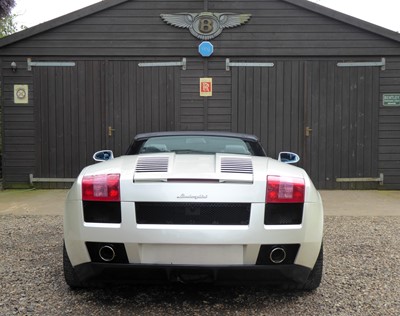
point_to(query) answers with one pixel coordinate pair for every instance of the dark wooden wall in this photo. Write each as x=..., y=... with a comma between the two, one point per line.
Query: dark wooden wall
x=389, y=126
x=71, y=108
x=134, y=28
x=19, y=137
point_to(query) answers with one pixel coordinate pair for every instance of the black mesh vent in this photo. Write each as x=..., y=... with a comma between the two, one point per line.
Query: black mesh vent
x=283, y=214
x=102, y=212
x=193, y=213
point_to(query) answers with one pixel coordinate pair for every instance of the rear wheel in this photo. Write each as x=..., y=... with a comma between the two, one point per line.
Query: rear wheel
x=315, y=277
x=69, y=273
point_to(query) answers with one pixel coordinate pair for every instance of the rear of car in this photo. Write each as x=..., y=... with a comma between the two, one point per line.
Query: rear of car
x=212, y=210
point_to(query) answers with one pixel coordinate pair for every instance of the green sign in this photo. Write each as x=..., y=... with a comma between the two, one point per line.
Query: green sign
x=391, y=100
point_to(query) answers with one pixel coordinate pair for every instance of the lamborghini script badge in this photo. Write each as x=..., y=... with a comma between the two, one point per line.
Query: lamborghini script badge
x=205, y=25
x=190, y=196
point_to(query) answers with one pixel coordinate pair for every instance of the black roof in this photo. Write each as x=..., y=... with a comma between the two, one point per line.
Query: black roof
x=103, y=5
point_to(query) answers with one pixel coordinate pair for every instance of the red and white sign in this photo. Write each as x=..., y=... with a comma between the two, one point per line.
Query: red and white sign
x=206, y=87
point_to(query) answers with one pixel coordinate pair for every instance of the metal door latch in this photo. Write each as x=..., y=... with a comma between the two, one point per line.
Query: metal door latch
x=110, y=131
x=308, y=131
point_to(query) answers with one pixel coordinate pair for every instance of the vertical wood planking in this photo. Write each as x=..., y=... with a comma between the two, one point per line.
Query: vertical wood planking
x=141, y=99
x=219, y=105
x=389, y=127
x=71, y=115
x=267, y=102
x=343, y=140
x=192, y=115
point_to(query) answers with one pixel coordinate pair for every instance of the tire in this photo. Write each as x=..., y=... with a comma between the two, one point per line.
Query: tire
x=313, y=280
x=69, y=273
x=315, y=277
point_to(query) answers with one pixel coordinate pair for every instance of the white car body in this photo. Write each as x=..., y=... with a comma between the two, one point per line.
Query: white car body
x=145, y=245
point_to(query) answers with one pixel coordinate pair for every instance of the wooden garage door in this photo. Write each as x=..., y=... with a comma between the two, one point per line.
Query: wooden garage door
x=269, y=102
x=69, y=115
x=325, y=113
x=139, y=99
x=341, y=106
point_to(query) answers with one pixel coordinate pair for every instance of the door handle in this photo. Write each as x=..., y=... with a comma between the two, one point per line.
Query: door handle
x=308, y=131
x=110, y=131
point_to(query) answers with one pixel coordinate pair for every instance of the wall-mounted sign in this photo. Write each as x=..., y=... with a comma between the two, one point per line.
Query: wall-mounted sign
x=391, y=99
x=206, y=49
x=206, y=87
x=205, y=25
x=21, y=94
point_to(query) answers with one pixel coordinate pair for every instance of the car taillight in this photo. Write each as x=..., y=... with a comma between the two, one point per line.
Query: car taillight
x=103, y=187
x=285, y=190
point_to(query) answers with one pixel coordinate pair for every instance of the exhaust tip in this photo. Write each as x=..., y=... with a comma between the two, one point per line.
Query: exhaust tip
x=107, y=253
x=277, y=255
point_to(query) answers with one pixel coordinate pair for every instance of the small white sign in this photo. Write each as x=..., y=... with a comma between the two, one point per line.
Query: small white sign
x=21, y=94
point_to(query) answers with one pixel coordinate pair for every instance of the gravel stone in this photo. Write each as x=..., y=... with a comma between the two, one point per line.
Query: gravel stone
x=361, y=277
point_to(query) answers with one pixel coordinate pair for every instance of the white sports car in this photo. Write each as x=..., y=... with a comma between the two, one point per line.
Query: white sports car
x=194, y=207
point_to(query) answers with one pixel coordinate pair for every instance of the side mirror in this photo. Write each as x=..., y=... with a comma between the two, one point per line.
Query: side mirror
x=103, y=155
x=288, y=157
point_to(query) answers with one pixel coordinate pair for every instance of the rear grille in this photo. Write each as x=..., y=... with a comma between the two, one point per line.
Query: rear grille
x=101, y=212
x=236, y=165
x=174, y=213
x=152, y=164
x=283, y=214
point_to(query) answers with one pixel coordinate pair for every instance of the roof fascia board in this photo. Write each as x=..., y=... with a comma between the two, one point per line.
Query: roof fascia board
x=348, y=19
x=70, y=17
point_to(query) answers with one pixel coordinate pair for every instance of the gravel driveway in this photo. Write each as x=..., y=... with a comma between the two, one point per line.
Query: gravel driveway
x=362, y=277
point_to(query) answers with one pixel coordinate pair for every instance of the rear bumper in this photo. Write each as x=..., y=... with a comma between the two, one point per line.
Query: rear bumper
x=95, y=273
x=193, y=244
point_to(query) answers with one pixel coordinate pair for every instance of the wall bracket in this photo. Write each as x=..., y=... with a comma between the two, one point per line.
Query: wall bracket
x=380, y=179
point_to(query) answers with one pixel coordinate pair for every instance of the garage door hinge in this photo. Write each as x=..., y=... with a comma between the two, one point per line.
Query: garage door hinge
x=50, y=180
x=381, y=64
x=31, y=64
x=380, y=179
x=246, y=64
x=165, y=64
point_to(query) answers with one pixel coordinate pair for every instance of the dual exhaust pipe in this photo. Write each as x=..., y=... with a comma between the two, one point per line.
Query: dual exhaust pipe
x=107, y=253
x=277, y=254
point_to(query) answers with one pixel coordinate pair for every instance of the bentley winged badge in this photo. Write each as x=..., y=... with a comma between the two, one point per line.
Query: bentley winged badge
x=205, y=25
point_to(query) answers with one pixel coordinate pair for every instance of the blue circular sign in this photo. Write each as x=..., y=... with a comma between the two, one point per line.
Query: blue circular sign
x=206, y=49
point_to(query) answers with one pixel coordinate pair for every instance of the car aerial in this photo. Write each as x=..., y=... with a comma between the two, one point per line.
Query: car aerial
x=194, y=207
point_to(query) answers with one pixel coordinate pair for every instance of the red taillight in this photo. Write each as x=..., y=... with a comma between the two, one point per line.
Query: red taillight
x=103, y=187
x=285, y=190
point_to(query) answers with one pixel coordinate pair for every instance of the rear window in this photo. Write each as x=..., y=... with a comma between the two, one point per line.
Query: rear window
x=196, y=145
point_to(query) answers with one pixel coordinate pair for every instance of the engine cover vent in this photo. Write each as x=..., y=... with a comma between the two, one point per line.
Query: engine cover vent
x=152, y=164
x=236, y=165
